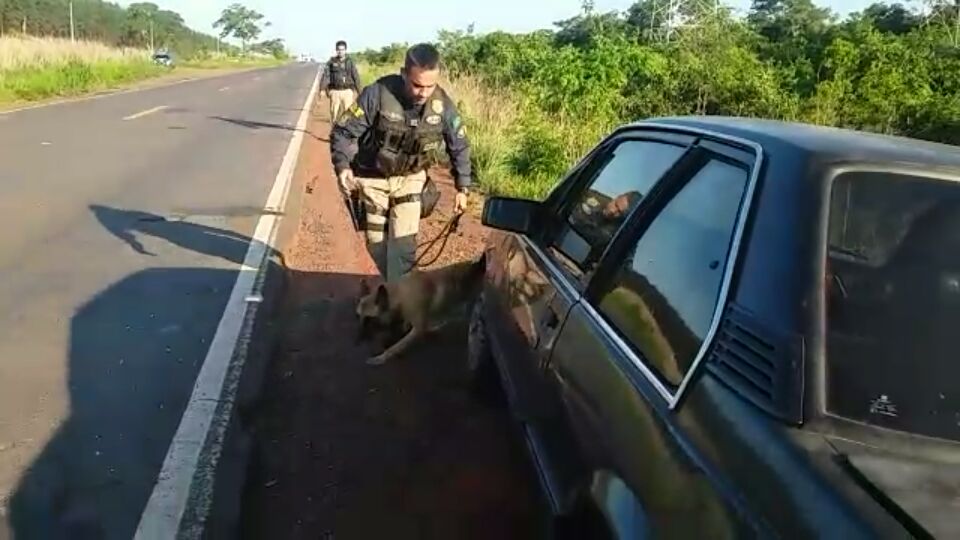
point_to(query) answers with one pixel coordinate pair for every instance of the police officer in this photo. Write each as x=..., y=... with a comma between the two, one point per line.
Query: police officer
x=340, y=81
x=402, y=124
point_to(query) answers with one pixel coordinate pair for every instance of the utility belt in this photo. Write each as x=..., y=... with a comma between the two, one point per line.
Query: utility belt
x=428, y=197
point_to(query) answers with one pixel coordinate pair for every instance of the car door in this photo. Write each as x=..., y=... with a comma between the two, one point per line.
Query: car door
x=544, y=276
x=632, y=344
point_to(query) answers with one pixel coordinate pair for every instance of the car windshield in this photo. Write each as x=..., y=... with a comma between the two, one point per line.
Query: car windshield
x=893, y=302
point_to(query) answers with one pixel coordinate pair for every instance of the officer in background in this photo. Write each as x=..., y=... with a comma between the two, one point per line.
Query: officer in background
x=402, y=125
x=340, y=81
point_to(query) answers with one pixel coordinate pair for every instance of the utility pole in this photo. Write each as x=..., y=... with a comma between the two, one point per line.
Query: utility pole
x=152, y=47
x=73, y=31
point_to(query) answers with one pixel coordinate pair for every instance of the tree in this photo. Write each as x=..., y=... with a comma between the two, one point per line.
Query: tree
x=780, y=20
x=273, y=47
x=945, y=16
x=890, y=18
x=659, y=20
x=240, y=22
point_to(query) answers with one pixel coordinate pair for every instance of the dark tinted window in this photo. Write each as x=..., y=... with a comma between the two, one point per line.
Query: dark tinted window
x=663, y=297
x=629, y=174
x=893, y=303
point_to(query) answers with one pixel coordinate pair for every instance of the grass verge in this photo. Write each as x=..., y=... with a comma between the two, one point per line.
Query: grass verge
x=35, y=69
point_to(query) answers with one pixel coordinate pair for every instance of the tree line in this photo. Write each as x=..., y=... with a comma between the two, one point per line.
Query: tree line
x=140, y=25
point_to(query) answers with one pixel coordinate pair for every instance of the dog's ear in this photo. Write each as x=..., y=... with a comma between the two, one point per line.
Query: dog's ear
x=383, y=298
x=364, y=288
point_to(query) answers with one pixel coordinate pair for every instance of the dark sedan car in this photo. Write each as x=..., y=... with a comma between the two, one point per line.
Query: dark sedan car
x=732, y=328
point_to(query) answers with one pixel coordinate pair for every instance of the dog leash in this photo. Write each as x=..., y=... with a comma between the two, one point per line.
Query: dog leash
x=445, y=233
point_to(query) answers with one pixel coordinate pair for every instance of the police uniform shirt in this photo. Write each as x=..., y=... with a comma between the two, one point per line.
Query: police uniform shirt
x=357, y=121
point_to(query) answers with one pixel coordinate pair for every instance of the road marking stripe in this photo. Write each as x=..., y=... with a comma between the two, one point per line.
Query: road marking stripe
x=224, y=89
x=165, y=509
x=141, y=114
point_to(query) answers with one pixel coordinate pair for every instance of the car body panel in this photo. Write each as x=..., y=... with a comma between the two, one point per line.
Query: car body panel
x=708, y=459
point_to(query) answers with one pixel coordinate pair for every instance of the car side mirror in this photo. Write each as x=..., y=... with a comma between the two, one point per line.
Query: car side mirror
x=509, y=214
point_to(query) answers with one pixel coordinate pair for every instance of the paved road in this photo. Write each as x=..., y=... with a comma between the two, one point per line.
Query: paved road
x=124, y=221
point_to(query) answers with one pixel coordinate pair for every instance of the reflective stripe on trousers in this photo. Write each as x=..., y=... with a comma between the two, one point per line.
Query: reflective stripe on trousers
x=393, y=221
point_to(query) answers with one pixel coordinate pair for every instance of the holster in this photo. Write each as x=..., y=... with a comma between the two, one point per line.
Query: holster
x=358, y=212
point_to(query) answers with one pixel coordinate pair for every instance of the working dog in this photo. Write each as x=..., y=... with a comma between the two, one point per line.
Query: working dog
x=418, y=303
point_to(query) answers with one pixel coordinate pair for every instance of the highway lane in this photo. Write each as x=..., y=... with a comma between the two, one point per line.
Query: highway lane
x=125, y=220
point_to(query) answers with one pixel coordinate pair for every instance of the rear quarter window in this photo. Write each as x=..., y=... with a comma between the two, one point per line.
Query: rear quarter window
x=893, y=302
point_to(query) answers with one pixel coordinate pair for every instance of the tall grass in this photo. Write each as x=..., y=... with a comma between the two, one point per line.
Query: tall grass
x=29, y=52
x=39, y=68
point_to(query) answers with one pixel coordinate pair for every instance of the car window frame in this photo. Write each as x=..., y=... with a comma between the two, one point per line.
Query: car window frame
x=710, y=146
x=821, y=419
x=560, y=201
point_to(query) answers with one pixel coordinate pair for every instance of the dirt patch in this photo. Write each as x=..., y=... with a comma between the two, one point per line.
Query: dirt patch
x=344, y=450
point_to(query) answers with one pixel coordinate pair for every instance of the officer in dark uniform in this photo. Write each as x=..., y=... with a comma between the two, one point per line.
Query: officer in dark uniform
x=384, y=145
x=340, y=81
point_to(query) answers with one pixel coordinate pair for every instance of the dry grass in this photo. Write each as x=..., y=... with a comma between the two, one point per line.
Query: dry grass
x=491, y=118
x=30, y=53
x=39, y=68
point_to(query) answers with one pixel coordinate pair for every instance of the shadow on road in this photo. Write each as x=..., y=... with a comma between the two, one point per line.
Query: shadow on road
x=134, y=353
x=252, y=124
x=335, y=441
x=127, y=224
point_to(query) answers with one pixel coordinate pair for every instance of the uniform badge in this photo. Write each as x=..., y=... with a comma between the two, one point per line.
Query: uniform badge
x=434, y=119
x=393, y=116
x=462, y=132
x=437, y=106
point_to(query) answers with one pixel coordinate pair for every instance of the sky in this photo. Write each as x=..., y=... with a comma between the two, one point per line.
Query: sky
x=313, y=26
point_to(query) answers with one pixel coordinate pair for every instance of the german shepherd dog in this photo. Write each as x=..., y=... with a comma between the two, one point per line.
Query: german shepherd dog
x=420, y=302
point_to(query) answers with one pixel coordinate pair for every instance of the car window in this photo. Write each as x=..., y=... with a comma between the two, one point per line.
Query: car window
x=893, y=302
x=630, y=171
x=663, y=296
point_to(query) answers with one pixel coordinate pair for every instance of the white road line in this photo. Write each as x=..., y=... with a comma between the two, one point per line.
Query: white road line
x=141, y=114
x=224, y=89
x=165, y=509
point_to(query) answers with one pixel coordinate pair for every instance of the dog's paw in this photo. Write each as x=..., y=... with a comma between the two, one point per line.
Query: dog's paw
x=378, y=360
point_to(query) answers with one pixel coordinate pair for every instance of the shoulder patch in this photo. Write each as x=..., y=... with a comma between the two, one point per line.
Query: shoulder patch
x=437, y=106
x=462, y=132
x=354, y=111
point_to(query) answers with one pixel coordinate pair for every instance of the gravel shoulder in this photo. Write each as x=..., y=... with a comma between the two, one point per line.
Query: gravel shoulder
x=344, y=450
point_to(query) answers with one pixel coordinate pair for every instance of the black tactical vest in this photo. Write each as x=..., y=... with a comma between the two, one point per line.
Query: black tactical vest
x=339, y=75
x=405, y=141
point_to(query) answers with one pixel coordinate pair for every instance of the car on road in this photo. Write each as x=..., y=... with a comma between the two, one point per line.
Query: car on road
x=733, y=328
x=163, y=58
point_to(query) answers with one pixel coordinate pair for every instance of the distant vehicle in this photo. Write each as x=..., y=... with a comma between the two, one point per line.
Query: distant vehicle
x=732, y=328
x=163, y=58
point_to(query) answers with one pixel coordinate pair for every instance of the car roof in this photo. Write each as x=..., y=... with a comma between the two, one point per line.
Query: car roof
x=830, y=144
